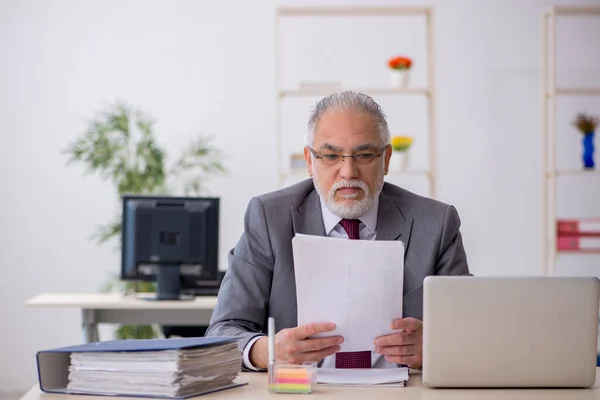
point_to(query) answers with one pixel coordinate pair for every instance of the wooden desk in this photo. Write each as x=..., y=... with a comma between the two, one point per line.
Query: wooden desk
x=127, y=309
x=257, y=389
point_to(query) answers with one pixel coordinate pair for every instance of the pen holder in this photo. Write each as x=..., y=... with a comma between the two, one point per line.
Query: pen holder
x=292, y=378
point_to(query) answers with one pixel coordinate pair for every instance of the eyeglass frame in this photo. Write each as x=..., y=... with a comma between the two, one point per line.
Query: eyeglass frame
x=353, y=156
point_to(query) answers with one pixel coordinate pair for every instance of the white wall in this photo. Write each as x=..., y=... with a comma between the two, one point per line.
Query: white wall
x=208, y=67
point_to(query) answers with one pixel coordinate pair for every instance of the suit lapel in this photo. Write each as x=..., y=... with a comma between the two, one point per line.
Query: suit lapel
x=391, y=224
x=308, y=218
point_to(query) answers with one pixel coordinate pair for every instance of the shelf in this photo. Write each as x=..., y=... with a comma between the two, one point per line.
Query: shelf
x=581, y=11
x=574, y=92
x=573, y=172
x=574, y=252
x=549, y=94
x=293, y=172
x=305, y=90
x=324, y=91
x=351, y=11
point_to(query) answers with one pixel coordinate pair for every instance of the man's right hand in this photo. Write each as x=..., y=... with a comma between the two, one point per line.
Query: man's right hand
x=294, y=345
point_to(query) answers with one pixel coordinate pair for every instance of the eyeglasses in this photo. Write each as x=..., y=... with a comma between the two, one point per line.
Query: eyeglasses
x=331, y=159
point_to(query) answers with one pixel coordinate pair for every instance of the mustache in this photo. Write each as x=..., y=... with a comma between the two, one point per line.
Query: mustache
x=352, y=183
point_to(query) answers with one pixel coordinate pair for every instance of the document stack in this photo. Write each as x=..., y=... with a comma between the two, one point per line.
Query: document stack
x=167, y=368
x=363, y=377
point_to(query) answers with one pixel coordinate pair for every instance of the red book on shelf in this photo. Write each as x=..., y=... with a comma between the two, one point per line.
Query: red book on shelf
x=582, y=226
x=578, y=243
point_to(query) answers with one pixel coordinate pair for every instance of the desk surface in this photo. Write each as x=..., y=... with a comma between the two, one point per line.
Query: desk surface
x=257, y=389
x=117, y=301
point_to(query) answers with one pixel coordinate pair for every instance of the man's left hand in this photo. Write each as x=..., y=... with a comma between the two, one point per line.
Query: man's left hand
x=404, y=347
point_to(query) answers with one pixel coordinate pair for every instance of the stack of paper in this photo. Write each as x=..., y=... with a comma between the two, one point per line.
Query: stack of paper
x=363, y=377
x=163, y=368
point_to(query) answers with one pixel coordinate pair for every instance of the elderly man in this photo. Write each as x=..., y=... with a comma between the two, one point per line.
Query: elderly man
x=348, y=153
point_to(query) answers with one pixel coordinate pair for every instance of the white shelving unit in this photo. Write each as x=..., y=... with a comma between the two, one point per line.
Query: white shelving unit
x=428, y=92
x=550, y=94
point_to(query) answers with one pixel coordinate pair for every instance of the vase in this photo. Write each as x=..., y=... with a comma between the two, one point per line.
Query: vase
x=399, y=77
x=399, y=161
x=588, y=150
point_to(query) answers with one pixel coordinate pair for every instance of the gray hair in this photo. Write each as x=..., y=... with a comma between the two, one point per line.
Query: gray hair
x=344, y=101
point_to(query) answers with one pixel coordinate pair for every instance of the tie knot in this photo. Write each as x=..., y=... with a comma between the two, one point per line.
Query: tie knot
x=351, y=227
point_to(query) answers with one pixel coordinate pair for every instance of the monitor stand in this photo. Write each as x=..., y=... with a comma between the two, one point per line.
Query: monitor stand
x=168, y=284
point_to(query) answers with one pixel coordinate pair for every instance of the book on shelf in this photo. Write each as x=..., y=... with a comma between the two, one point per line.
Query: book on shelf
x=578, y=227
x=161, y=368
x=578, y=243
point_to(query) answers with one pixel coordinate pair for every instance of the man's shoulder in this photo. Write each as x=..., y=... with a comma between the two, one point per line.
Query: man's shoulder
x=286, y=197
x=413, y=203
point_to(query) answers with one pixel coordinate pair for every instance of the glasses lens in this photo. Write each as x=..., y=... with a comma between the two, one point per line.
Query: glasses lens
x=365, y=158
x=331, y=159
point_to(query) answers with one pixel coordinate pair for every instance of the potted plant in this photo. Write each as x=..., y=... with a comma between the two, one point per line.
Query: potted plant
x=399, y=71
x=400, y=147
x=119, y=145
x=586, y=124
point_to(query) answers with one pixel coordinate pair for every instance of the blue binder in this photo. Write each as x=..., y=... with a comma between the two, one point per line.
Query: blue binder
x=53, y=365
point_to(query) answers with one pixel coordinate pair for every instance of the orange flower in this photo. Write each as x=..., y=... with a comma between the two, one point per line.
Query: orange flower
x=400, y=63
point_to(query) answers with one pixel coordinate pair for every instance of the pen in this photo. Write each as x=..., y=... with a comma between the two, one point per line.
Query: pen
x=271, y=333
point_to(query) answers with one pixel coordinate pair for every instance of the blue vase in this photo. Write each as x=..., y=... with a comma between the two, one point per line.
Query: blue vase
x=588, y=150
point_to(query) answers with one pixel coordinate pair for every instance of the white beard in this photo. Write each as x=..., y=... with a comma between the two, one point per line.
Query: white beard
x=356, y=208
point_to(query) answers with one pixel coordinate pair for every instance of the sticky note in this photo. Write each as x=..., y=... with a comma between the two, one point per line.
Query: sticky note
x=292, y=378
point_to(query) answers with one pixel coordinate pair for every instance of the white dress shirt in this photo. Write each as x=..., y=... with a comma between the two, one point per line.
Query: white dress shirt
x=367, y=231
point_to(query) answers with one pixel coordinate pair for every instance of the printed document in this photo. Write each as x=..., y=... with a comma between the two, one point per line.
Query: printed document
x=355, y=284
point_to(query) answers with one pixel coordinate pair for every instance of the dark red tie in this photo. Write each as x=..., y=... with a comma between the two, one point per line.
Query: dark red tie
x=352, y=359
x=351, y=227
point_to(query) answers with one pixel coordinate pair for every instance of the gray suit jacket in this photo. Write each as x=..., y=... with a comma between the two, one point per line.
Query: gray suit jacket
x=260, y=278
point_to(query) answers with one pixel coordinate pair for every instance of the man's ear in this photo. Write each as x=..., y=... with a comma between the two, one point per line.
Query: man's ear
x=388, y=155
x=308, y=158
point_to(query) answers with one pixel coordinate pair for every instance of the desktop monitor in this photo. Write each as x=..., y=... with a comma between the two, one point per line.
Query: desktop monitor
x=173, y=241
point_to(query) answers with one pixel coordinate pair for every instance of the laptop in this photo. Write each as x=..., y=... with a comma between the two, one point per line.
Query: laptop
x=510, y=331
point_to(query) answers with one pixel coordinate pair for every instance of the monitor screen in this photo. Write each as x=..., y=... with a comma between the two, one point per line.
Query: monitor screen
x=176, y=233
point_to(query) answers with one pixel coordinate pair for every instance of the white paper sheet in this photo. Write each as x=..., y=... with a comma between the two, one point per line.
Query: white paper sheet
x=373, y=376
x=356, y=284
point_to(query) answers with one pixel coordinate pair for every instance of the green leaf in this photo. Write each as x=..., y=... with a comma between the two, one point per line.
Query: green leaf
x=136, y=332
x=107, y=232
x=196, y=162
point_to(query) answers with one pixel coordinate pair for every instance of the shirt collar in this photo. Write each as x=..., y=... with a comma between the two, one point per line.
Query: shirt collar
x=330, y=220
